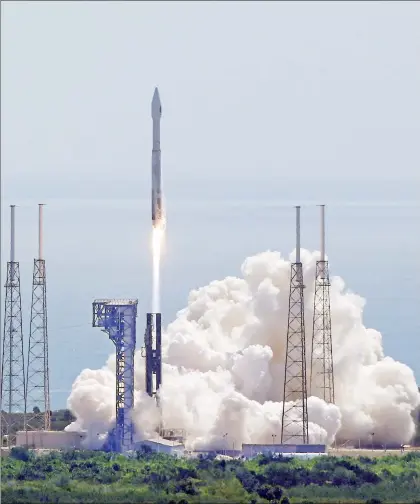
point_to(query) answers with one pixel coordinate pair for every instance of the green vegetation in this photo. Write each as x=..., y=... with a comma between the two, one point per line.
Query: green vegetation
x=60, y=419
x=90, y=477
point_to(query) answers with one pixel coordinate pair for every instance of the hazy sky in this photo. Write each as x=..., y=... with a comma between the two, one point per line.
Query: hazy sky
x=249, y=89
x=269, y=102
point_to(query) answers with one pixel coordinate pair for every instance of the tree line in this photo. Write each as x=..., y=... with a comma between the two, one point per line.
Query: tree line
x=90, y=477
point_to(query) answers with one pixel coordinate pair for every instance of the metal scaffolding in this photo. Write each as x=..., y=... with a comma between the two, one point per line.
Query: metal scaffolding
x=322, y=367
x=13, y=363
x=295, y=397
x=37, y=400
x=118, y=319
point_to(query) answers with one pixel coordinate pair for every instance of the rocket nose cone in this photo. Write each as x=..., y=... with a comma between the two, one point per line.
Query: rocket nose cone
x=156, y=105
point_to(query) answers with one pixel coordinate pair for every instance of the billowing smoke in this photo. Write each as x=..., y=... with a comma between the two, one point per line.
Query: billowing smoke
x=223, y=368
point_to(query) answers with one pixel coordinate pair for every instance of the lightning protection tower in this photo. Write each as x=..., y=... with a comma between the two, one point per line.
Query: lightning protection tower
x=13, y=366
x=152, y=351
x=322, y=368
x=118, y=319
x=37, y=400
x=295, y=398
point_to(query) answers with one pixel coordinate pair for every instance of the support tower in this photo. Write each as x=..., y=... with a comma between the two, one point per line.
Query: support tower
x=37, y=400
x=152, y=351
x=117, y=317
x=322, y=368
x=13, y=365
x=294, y=427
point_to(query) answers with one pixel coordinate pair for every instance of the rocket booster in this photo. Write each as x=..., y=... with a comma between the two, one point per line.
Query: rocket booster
x=157, y=196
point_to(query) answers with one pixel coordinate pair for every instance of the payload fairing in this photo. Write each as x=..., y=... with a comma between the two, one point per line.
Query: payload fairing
x=158, y=215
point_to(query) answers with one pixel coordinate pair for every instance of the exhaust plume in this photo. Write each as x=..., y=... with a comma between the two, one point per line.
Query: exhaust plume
x=223, y=369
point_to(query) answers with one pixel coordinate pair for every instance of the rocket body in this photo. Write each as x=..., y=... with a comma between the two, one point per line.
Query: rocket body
x=157, y=194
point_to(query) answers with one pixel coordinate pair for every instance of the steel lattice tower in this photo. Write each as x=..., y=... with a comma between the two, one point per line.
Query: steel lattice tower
x=37, y=404
x=322, y=367
x=13, y=364
x=118, y=319
x=295, y=397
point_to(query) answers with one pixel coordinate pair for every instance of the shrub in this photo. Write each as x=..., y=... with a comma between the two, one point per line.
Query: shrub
x=271, y=493
x=367, y=460
x=62, y=481
x=248, y=480
x=185, y=472
x=30, y=473
x=21, y=453
x=187, y=486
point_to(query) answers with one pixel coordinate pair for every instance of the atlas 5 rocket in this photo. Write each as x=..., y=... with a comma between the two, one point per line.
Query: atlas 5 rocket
x=157, y=196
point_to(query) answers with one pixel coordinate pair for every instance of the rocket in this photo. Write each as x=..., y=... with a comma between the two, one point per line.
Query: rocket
x=157, y=196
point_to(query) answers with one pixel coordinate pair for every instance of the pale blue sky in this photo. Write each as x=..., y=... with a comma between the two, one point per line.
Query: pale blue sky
x=265, y=105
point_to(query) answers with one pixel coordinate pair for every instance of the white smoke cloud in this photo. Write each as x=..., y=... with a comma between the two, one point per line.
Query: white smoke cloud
x=223, y=368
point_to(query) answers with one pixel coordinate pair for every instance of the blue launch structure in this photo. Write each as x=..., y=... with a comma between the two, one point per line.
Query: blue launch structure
x=117, y=317
x=152, y=351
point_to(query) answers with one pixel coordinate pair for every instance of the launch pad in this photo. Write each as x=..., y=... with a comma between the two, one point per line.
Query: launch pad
x=152, y=352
